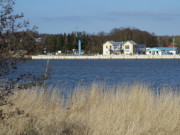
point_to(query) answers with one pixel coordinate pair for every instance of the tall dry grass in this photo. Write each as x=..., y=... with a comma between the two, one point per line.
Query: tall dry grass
x=133, y=110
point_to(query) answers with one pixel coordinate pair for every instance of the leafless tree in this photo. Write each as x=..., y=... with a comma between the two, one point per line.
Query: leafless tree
x=16, y=40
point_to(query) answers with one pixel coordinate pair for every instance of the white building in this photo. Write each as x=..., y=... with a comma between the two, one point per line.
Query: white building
x=111, y=47
x=162, y=51
x=127, y=48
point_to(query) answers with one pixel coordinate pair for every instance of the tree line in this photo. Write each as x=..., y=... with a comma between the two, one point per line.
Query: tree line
x=67, y=42
x=18, y=38
x=93, y=43
x=90, y=43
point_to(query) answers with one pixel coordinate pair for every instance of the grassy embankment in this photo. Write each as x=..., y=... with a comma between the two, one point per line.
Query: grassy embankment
x=128, y=111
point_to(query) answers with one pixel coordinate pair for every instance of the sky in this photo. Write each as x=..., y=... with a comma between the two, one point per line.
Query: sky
x=161, y=17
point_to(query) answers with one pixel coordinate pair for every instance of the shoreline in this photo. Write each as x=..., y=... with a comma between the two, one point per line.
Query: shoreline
x=107, y=57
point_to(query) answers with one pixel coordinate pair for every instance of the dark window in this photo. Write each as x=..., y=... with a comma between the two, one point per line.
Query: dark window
x=127, y=47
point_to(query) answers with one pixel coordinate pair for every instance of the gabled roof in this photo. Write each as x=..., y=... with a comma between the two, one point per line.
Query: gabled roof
x=132, y=42
x=116, y=43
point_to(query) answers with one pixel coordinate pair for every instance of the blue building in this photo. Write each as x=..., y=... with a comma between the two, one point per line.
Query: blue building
x=162, y=51
x=140, y=48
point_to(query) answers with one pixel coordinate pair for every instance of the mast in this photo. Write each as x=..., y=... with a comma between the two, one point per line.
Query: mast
x=78, y=34
x=79, y=44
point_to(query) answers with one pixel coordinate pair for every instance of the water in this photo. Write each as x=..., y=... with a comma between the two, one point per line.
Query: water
x=67, y=74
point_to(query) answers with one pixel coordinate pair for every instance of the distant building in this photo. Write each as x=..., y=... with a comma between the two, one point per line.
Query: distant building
x=162, y=51
x=111, y=47
x=140, y=49
x=38, y=40
x=127, y=48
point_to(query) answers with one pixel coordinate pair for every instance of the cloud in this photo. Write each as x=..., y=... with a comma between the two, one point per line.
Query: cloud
x=151, y=15
x=111, y=17
x=83, y=19
x=65, y=19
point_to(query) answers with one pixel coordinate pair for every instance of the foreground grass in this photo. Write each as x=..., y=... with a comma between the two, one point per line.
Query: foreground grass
x=131, y=110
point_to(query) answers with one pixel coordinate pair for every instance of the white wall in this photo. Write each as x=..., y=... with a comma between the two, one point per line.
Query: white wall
x=105, y=50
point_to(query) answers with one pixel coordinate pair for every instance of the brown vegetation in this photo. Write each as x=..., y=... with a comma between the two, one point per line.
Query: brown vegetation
x=130, y=110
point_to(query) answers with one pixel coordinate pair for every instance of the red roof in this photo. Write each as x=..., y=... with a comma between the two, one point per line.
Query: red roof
x=170, y=46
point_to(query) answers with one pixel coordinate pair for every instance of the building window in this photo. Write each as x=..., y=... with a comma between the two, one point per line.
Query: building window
x=127, y=47
x=106, y=47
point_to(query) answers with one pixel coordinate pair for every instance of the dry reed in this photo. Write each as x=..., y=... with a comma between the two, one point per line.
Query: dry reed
x=133, y=110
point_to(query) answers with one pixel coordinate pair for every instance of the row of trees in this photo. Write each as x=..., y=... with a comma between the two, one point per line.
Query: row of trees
x=140, y=37
x=92, y=43
x=16, y=34
x=68, y=42
x=177, y=41
x=169, y=41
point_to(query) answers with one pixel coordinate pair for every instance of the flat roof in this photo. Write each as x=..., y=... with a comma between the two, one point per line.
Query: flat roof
x=163, y=49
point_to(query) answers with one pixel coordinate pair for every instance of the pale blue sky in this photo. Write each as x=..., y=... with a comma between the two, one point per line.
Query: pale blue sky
x=58, y=16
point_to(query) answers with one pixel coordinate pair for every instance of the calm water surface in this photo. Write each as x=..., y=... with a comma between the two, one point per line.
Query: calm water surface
x=69, y=73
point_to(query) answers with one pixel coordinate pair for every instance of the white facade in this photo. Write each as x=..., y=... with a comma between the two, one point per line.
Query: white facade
x=129, y=47
x=107, y=47
x=173, y=52
x=111, y=47
x=162, y=51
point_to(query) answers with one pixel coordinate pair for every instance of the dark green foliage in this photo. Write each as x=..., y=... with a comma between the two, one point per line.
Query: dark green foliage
x=166, y=41
x=60, y=42
x=140, y=37
x=52, y=41
x=177, y=41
